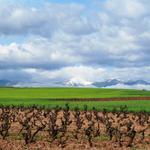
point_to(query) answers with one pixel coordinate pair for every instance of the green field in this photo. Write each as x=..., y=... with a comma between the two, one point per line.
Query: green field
x=45, y=96
x=132, y=105
x=69, y=93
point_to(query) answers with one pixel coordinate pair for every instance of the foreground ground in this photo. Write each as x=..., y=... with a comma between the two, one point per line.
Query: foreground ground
x=45, y=129
x=21, y=123
x=101, y=144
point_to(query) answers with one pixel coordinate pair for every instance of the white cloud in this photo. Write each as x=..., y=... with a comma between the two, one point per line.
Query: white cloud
x=127, y=8
x=43, y=21
x=69, y=41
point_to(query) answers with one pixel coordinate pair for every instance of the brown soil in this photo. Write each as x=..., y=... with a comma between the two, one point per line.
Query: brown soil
x=15, y=141
x=71, y=145
x=104, y=99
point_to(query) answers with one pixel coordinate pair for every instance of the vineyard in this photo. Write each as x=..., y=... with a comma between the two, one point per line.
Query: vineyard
x=38, y=127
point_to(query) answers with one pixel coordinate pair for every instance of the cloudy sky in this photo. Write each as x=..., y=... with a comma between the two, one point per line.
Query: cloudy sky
x=46, y=41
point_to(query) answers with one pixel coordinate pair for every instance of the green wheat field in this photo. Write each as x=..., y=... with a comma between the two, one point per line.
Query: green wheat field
x=51, y=97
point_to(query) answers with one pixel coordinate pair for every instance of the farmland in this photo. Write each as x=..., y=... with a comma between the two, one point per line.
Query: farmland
x=47, y=129
x=74, y=118
x=51, y=97
x=69, y=93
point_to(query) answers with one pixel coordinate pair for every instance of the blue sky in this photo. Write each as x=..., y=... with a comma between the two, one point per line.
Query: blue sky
x=48, y=41
x=39, y=2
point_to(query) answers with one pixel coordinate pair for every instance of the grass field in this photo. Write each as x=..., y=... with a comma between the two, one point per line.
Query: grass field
x=42, y=96
x=69, y=93
x=132, y=105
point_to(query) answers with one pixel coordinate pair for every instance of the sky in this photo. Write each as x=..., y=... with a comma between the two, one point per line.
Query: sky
x=48, y=41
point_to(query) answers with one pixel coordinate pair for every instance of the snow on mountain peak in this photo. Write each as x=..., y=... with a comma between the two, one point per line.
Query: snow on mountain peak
x=78, y=82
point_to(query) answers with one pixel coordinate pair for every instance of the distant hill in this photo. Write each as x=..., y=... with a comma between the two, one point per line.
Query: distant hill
x=75, y=82
x=109, y=83
x=6, y=83
x=113, y=82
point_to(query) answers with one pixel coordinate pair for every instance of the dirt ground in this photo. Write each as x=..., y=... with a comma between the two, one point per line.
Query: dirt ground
x=70, y=145
x=104, y=99
x=15, y=140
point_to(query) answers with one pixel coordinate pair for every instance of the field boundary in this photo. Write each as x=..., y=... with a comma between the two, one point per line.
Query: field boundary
x=102, y=99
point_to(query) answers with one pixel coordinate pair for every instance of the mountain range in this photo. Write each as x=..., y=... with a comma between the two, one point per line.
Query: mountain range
x=108, y=83
x=111, y=83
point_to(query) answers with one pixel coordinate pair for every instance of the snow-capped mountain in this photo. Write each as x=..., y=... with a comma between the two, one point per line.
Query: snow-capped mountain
x=106, y=83
x=78, y=82
x=115, y=83
x=130, y=82
x=111, y=83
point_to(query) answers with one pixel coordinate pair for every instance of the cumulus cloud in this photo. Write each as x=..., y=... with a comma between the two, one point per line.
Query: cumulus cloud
x=74, y=41
x=83, y=74
x=44, y=21
x=127, y=8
